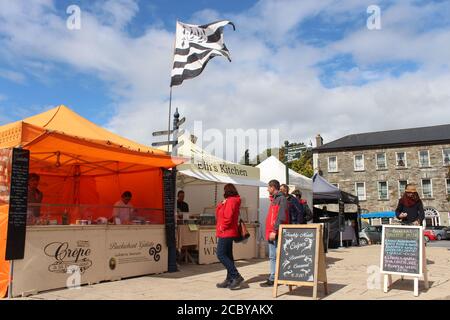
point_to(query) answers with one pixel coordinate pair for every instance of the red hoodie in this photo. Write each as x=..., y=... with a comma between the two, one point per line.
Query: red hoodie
x=227, y=217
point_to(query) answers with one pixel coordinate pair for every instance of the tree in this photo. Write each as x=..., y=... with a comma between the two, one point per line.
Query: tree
x=304, y=165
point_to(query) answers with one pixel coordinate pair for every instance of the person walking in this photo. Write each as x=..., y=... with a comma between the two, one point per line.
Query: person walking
x=410, y=207
x=227, y=217
x=278, y=214
x=307, y=213
x=295, y=209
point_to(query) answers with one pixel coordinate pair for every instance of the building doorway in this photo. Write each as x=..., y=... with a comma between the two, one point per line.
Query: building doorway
x=432, y=217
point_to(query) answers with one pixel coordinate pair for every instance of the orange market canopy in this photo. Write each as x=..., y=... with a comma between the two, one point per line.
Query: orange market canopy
x=82, y=165
x=59, y=139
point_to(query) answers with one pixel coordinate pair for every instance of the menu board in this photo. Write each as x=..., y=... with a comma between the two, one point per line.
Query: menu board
x=401, y=250
x=169, y=186
x=18, y=205
x=297, y=254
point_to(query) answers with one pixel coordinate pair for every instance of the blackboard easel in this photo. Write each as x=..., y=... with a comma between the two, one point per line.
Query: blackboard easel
x=319, y=263
x=420, y=255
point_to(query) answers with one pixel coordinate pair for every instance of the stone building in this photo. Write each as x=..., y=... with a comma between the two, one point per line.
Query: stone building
x=376, y=167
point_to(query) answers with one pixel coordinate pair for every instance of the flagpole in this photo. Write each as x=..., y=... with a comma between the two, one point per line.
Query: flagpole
x=170, y=115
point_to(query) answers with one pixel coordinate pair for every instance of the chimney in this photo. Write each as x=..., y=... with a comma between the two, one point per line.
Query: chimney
x=319, y=141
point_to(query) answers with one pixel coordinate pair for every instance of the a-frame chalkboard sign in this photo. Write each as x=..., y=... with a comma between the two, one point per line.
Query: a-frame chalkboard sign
x=403, y=253
x=300, y=257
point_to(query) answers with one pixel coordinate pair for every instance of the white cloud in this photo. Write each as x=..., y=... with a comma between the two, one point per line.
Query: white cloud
x=117, y=13
x=12, y=76
x=273, y=81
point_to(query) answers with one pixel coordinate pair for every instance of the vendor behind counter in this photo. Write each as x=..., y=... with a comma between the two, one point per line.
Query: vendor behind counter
x=69, y=200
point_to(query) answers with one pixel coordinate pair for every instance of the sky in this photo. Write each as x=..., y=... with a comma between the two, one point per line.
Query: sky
x=298, y=66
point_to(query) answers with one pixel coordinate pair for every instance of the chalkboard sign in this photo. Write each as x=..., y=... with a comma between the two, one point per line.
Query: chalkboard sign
x=169, y=187
x=18, y=205
x=300, y=257
x=401, y=250
x=297, y=254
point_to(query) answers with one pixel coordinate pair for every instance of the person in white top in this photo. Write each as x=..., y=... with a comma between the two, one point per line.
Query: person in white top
x=123, y=209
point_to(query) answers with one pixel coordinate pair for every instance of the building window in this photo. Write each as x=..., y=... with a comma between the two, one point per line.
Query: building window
x=360, y=188
x=383, y=193
x=427, y=188
x=381, y=161
x=401, y=159
x=424, y=158
x=448, y=186
x=401, y=187
x=359, y=162
x=446, y=156
x=332, y=164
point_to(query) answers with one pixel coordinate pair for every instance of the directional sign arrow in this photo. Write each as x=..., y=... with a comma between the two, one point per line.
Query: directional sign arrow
x=163, y=143
x=161, y=133
x=181, y=121
x=179, y=133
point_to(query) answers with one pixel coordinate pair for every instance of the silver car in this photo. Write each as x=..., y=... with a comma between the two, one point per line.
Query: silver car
x=440, y=232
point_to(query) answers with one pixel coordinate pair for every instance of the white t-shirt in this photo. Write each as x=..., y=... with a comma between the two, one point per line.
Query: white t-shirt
x=123, y=211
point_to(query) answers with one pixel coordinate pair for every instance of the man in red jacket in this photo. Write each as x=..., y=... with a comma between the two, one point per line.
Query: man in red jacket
x=278, y=214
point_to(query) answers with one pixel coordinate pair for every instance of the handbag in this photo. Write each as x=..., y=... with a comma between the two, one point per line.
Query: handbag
x=243, y=232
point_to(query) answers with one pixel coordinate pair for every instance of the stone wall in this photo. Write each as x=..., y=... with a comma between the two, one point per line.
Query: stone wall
x=346, y=176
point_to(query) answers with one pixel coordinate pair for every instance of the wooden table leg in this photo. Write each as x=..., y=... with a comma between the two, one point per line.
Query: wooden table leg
x=416, y=286
x=386, y=282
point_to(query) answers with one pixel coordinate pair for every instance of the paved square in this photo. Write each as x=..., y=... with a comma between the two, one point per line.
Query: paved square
x=347, y=276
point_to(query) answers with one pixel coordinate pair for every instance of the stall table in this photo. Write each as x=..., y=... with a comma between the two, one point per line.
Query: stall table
x=205, y=241
x=63, y=256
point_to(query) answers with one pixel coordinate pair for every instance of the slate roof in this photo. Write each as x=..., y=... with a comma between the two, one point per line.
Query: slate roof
x=390, y=138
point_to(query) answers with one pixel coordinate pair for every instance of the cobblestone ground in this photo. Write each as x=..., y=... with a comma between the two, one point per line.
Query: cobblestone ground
x=347, y=273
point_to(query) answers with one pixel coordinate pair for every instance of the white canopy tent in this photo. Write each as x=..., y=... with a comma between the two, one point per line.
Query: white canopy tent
x=202, y=179
x=272, y=168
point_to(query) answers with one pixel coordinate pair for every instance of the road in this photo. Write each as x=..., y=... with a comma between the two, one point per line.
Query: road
x=439, y=244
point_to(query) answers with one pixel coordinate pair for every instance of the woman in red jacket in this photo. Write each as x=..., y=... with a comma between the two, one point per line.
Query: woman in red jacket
x=227, y=217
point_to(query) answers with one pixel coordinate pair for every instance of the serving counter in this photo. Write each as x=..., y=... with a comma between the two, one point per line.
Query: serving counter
x=204, y=240
x=64, y=256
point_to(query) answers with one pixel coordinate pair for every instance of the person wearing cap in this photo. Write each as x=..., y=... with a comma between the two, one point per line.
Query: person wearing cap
x=410, y=207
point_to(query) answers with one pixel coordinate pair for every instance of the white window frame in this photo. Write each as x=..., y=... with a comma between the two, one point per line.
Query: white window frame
x=443, y=157
x=328, y=164
x=431, y=185
x=363, y=163
x=429, y=160
x=385, y=160
x=387, y=190
x=365, y=192
x=396, y=159
x=400, y=194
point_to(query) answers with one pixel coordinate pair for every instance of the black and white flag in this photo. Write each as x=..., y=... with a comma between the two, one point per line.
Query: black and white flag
x=195, y=46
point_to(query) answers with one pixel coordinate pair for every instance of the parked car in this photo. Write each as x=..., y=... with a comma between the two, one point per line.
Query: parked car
x=439, y=231
x=429, y=235
x=370, y=235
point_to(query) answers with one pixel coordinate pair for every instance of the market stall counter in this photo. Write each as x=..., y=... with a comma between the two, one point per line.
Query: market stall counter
x=67, y=256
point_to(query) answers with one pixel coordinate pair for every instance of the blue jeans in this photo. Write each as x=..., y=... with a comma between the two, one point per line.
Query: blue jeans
x=272, y=259
x=225, y=256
